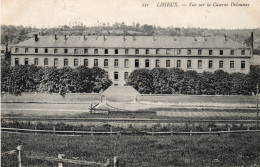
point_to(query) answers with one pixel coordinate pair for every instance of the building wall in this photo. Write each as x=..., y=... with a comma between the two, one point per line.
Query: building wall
x=121, y=69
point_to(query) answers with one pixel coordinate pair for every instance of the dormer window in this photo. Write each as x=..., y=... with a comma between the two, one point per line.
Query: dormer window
x=199, y=52
x=36, y=50
x=188, y=52
x=242, y=52
x=16, y=50
x=136, y=51
x=96, y=51
x=210, y=52
x=231, y=52
x=106, y=51
x=157, y=51
x=65, y=50
x=55, y=50
x=85, y=51
x=26, y=50
x=45, y=50
x=178, y=51
x=126, y=51
x=221, y=52
x=147, y=51
x=75, y=51
x=116, y=51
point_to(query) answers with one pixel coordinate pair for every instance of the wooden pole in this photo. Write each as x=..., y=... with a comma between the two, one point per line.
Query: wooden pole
x=190, y=132
x=60, y=157
x=54, y=130
x=257, y=111
x=19, y=148
x=209, y=129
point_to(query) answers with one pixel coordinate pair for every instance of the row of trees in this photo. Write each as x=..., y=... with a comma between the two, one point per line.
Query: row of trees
x=30, y=78
x=177, y=81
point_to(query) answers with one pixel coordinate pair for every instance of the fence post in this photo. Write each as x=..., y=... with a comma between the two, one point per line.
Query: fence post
x=116, y=162
x=209, y=129
x=229, y=129
x=35, y=128
x=54, y=130
x=248, y=128
x=190, y=132
x=91, y=129
x=111, y=130
x=19, y=148
x=60, y=157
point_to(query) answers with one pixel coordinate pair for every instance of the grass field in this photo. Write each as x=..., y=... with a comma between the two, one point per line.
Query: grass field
x=207, y=150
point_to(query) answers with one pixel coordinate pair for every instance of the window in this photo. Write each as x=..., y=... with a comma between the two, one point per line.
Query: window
x=189, y=52
x=55, y=50
x=157, y=63
x=106, y=63
x=126, y=75
x=199, y=52
x=66, y=62
x=199, y=64
x=232, y=64
x=243, y=64
x=210, y=64
x=221, y=64
x=36, y=50
x=95, y=62
x=231, y=52
x=147, y=63
x=75, y=51
x=106, y=51
x=147, y=51
x=45, y=50
x=56, y=62
x=115, y=75
x=65, y=50
x=136, y=51
x=188, y=63
x=136, y=62
x=210, y=52
x=126, y=51
x=242, y=52
x=178, y=51
x=85, y=51
x=178, y=63
x=36, y=62
x=116, y=63
x=16, y=50
x=167, y=51
x=46, y=62
x=116, y=51
x=126, y=64
x=157, y=51
x=221, y=52
x=26, y=50
x=26, y=61
x=96, y=51
x=168, y=63
x=16, y=61
x=86, y=62
x=76, y=62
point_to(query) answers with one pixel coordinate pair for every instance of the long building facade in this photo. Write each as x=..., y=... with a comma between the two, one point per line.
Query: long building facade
x=120, y=55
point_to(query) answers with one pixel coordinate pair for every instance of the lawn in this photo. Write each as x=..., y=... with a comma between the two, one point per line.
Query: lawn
x=201, y=150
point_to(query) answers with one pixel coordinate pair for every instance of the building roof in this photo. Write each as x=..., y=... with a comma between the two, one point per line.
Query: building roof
x=131, y=42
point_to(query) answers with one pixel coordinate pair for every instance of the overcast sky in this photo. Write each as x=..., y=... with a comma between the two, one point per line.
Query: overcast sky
x=50, y=13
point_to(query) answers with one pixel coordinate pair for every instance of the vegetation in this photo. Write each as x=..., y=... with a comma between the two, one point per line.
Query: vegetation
x=30, y=78
x=177, y=81
x=207, y=150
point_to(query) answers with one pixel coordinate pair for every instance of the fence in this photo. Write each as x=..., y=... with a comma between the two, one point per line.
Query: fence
x=60, y=160
x=111, y=132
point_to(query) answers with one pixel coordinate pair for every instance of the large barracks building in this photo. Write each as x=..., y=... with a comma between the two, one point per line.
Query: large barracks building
x=120, y=55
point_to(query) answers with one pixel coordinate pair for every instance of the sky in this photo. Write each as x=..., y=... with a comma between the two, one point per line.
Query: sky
x=52, y=13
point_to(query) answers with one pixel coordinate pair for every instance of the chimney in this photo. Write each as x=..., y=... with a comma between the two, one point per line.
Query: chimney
x=252, y=44
x=65, y=37
x=225, y=38
x=55, y=37
x=35, y=37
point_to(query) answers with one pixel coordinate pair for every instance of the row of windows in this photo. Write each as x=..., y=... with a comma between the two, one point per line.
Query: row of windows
x=136, y=63
x=179, y=51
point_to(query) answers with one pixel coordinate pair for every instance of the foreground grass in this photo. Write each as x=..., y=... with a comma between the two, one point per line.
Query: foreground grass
x=207, y=150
